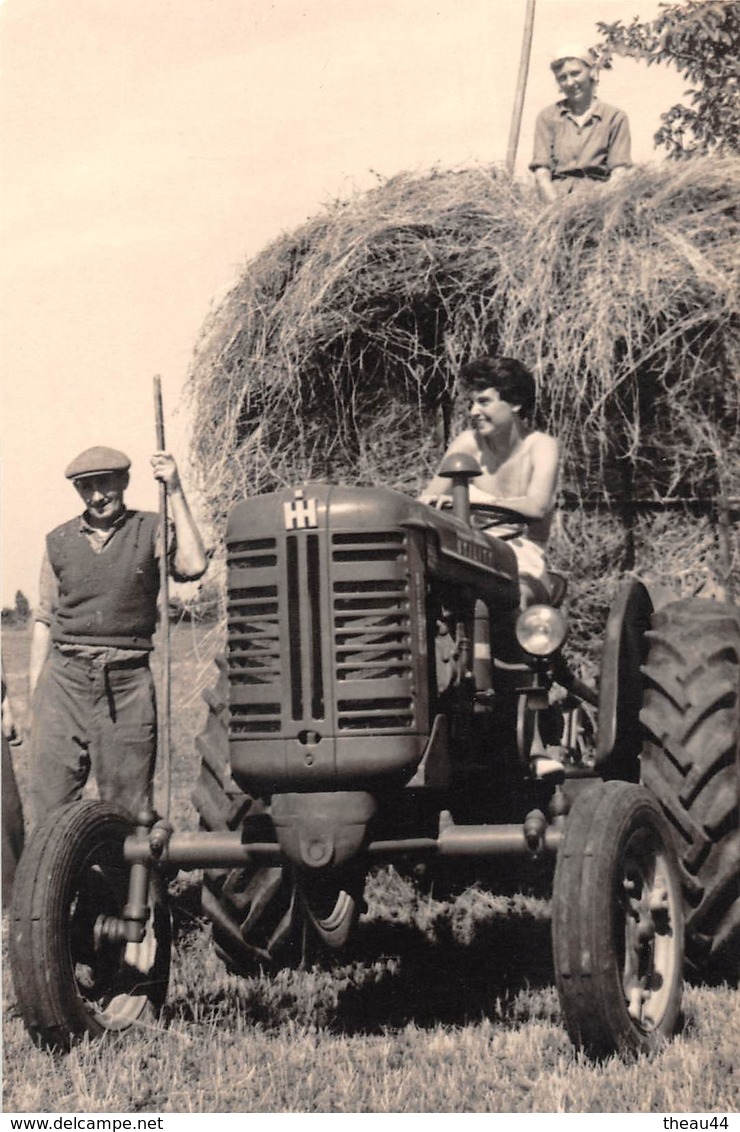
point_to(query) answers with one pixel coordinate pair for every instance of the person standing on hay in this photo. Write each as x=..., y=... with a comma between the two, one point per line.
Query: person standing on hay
x=578, y=138
x=519, y=465
x=92, y=693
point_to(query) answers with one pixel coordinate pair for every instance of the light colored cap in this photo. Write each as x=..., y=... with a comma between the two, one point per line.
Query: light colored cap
x=96, y=461
x=573, y=51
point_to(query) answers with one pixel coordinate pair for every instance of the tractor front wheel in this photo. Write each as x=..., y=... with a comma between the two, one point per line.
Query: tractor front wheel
x=617, y=923
x=70, y=980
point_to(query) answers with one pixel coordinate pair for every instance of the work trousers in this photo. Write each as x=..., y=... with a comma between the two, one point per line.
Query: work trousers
x=12, y=823
x=90, y=716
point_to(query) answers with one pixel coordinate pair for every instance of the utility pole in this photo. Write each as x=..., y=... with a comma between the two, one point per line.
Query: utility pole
x=521, y=87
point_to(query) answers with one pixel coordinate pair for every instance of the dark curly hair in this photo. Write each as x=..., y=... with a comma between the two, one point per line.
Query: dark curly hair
x=513, y=381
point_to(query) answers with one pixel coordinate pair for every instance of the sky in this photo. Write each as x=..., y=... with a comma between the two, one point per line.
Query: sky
x=151, y=147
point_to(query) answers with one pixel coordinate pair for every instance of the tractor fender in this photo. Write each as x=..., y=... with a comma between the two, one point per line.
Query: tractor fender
x=619, y=738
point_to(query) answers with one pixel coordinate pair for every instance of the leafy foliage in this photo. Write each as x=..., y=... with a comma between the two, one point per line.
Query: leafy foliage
x=701, y=38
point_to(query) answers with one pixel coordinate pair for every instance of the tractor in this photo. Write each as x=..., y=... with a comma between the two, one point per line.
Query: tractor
x=384, y=699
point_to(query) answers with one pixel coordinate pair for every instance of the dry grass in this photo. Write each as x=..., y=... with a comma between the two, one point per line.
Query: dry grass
x=354, y=1038
x=626, y=302
x=335, y=352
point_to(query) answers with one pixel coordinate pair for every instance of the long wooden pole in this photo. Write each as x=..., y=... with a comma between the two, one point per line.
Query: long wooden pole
x=163, y=732
x=521, y=87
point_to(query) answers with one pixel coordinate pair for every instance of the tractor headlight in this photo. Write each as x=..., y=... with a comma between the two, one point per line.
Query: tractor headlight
x=541, y=630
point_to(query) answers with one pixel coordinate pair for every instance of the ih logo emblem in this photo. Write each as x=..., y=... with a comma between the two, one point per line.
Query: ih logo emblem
x=300, y=513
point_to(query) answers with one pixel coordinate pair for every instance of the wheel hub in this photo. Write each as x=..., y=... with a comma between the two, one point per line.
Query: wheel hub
x=648, y=955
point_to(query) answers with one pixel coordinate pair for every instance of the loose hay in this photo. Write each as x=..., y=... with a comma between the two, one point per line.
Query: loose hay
x=334, y=356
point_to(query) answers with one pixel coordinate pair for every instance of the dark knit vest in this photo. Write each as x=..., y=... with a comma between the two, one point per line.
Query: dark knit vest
x=110, y=598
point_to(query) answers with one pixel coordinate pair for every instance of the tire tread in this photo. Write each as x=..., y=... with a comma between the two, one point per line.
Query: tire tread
x=691, y=761
x=588, y=987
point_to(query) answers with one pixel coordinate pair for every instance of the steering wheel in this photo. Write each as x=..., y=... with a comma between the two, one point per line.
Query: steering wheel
x=484, y=516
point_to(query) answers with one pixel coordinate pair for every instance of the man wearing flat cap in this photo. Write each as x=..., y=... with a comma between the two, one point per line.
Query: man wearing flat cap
x=578, y=138
x=92, y=693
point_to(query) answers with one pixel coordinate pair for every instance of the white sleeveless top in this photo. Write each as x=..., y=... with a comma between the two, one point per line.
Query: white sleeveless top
x=511, y=480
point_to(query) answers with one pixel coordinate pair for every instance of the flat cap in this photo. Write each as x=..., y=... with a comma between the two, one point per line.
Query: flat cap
x=96, y=461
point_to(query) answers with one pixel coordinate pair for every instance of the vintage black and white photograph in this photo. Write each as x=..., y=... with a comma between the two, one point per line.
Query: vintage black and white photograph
x=370, y=557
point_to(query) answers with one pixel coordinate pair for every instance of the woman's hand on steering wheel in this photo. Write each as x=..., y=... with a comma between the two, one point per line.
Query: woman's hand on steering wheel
x=439, y=501
x=484, y=516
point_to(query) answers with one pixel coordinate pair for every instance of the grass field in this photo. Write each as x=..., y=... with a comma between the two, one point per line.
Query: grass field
x=441, y=1007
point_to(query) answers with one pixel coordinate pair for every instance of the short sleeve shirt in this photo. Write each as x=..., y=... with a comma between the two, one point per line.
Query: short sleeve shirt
x=593, y=148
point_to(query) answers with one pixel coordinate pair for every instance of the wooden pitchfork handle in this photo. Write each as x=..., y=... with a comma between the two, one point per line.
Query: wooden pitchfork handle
x=164, y=746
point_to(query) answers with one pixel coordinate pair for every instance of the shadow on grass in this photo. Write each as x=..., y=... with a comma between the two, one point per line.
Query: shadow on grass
x=454, y=969
x=428, y=977
x=723, y=971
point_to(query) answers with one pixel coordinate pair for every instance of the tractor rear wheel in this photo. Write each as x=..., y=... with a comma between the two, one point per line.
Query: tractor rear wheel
x=252, y=910
x=331, y=904
x=260, y=913
x=691, y=763
x=70, y=980
x=617, y=923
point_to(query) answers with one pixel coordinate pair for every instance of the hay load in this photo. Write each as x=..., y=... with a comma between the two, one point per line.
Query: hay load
x=336, y=348
x=334, y=356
